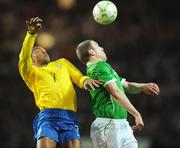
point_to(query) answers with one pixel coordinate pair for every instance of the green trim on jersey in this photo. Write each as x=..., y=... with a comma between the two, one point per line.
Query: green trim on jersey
x=102, y=103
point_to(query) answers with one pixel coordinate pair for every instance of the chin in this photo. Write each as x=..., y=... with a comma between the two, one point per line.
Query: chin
x=46, y=61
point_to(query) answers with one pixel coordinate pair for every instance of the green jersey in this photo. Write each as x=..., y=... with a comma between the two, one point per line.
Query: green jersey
x=102, y=103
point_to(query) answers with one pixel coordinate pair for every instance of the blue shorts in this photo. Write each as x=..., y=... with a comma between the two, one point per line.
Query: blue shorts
x=58, y=124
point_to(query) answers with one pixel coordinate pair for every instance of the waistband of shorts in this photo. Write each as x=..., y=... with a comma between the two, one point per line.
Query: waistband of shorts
x=58, y=113
x=109, y=120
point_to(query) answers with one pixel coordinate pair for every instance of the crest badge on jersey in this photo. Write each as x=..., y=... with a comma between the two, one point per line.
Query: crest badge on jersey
x=59, y=65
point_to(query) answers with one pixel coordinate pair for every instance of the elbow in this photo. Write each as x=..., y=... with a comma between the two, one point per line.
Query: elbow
x=19, y=64
x=127, y=86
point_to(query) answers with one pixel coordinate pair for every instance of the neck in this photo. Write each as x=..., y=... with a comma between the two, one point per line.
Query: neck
x=93, y=61
x=40, y=64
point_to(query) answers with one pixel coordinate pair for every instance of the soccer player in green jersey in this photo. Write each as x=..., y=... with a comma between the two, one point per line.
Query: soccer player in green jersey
x=109, y=102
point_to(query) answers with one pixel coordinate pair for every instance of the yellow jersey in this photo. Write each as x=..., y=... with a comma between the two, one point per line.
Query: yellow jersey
x=52, y=85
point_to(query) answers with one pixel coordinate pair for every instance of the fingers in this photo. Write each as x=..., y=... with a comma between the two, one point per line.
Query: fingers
x=137, y=128
x=34, y=25
x=35, y=20
x=152, y=89
x=27, y=22
x=97, y=83
x=91, y=84
x=31, y=20
x=88, y=84
x=39, y=25
x=38, y=20
x=155, y=89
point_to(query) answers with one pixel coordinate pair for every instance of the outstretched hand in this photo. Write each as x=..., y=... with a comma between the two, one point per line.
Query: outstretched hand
x=139, y=124
x=151, y=89
x=34, y=25
x=91, y=84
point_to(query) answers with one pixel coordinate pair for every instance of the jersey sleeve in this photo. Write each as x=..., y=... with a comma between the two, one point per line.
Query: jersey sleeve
x=103, y=72
x=77, y=77
x=25, y=61
x=123, y=80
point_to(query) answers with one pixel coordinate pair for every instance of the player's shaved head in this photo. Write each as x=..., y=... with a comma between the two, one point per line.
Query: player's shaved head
x=82, y=50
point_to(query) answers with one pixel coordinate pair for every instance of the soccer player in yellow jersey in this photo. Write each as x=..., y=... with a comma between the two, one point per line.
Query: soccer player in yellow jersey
x=52, y=86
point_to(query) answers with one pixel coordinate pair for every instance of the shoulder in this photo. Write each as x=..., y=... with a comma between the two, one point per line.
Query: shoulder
x=99, y=67
x=62, y=61
x=102, y=65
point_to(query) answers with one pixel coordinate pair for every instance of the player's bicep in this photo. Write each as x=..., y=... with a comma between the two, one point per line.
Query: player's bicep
x=77, y=77
x=72, y=70
x=112, y=88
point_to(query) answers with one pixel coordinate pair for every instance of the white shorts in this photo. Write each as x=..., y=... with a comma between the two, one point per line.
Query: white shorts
x=112, y=133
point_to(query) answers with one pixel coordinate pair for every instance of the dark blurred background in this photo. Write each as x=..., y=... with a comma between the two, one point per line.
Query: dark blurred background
x=142, y=46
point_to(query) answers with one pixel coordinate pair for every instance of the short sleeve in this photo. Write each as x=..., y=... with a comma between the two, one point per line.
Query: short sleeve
x=103, y=72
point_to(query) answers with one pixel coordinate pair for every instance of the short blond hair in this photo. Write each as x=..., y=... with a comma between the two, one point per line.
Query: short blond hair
x=82, y=50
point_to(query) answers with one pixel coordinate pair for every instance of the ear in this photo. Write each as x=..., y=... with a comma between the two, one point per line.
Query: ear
x=91, y=52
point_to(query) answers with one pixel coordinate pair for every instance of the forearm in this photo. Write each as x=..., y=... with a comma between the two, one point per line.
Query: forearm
x=121, y=98
x=123, y=101
x=25, y=61
x=134, y=88
x=27, y=47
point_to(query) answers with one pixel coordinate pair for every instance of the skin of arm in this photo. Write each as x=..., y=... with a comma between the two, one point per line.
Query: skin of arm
x=123, y=101
x=135, y=88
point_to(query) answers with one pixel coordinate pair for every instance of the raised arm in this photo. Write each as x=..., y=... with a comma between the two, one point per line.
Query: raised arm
x=25, y=61
x=148, y=88
x=123, y=101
